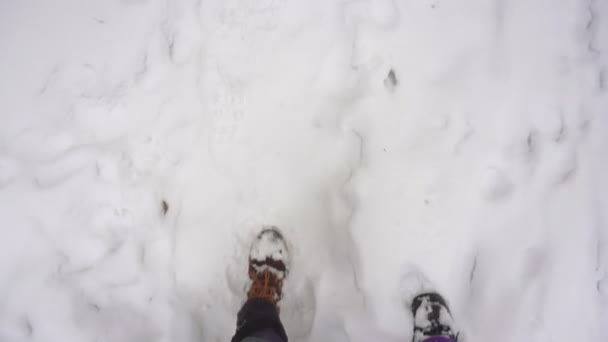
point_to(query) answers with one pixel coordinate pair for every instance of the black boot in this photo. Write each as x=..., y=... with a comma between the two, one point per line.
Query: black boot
x=432, y=319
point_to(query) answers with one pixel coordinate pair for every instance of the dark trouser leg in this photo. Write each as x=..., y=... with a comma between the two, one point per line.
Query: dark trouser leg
x=259, y=318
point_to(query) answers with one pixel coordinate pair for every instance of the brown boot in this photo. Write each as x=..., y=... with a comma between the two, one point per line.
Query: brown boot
x=268, y=260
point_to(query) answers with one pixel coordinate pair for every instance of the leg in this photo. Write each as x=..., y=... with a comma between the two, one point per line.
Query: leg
x=258, y=320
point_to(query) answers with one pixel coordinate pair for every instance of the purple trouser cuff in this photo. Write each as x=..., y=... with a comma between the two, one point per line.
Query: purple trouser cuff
x=439, y=339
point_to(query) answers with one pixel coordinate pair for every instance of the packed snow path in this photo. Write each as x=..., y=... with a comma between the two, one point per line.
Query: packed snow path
x=144, y=143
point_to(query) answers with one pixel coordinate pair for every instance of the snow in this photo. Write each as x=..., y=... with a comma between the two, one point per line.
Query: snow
x=145, y=143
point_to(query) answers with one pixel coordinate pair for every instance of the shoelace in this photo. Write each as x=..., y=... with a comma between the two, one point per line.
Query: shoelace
x=438, y=330
x=265, y=285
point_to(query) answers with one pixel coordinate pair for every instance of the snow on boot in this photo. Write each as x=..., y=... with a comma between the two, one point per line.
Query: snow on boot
x=432, y=319
x=268, y=266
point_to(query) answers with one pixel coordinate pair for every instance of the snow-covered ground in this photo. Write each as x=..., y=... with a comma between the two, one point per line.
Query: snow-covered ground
x=144, y=143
